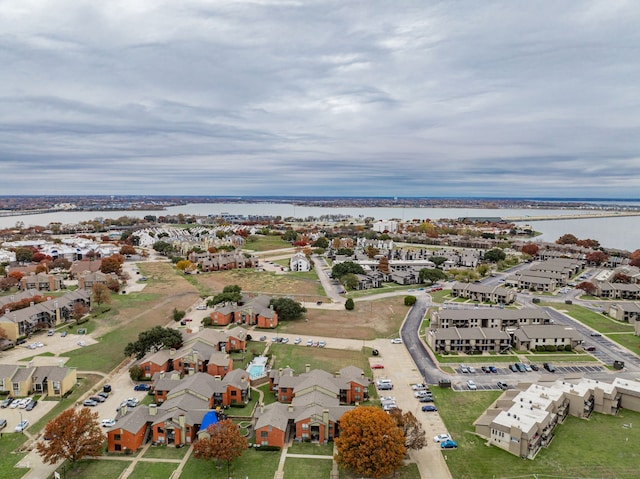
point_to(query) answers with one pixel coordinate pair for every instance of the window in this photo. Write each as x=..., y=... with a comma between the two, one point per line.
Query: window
x=117, y=447
x=305, y=426
x=116, y=437
x=357, y=389
x=264, y=434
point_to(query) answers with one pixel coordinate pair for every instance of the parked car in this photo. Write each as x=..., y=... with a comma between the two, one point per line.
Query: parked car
x=549, y=367
x=589, y=348
x=3, y=424
x=64, y=334
x=31, y=405
x=22, y=425
x=527, y=368
x=448, y=444
x=374, y=352
x=441, y=438
x=596, y=335
x=426, y=399
x=521, y=367
x=322, y=344
x=89, y=403
x=24, y=403
x=201, y=307
x=396, y=341
x=106, y=388
x=503, y=385
x=471, y=369
x=377, y=366
x=263, y=338
x=513, y=368
x=297, y=341
x=471, y=385
x=309, y=342
x=429, y=407
x=485, y=369
x=464, y=369
x=284, y=340
x=142, y=387
x=535, y=367
x=108, y=422
x=51, y=332
x=419, y=387
x=97, y=398
x=6, y=402
x=103, y=394
x=422, y=394
x=493, y=369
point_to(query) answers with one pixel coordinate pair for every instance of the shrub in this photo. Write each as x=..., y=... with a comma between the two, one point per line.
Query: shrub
x=349, y=304
x=410, y=300
x=567, y=347
x=136, y=373
x=550, y=348
x=268, y=448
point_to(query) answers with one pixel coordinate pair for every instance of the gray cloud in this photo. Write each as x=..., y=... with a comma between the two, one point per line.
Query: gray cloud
x=320, y=97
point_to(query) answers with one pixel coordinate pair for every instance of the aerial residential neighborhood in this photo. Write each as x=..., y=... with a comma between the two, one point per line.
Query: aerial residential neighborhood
x=259, y=348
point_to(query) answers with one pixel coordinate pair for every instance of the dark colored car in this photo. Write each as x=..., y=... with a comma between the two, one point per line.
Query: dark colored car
x=549, y=367
x=142, y=387
x=521, y=367
x=503, y=385
x=103, y=394
x=535, y=367
x=106, y=388
x=513, y=368
x=31, y=405
x=448, y=444
x=485, y=369
x=6, y=403
x=426, y=399
x=429, y=408
x=493, y=369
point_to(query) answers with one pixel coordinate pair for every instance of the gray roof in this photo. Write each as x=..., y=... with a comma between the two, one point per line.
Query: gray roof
x=493, y=313
x=546, y=332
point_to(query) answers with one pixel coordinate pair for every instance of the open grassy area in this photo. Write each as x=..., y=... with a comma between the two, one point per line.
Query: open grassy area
x=95, y=468
x=628, y=340
x=265, y=243
x=9, y=443
x=309, y=448
x=252, y=463
x=597, y=447
x=368, y=320
x=155, y=470
x=463, y=358
x=327, y=359
x=441, y=296
x=594, y=320
x=407, y=472
x=306, y=468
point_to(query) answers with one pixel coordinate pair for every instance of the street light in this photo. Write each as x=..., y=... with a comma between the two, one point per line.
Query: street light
x=22, y=429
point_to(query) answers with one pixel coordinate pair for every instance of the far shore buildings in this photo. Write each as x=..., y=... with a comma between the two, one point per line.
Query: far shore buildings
x=52, y=381
x=522, y=421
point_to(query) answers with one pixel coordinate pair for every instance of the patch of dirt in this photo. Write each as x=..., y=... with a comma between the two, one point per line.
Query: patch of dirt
x=368, y=320
x=261, y=282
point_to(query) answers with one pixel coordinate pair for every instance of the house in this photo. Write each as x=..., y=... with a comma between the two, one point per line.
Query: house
x=310, y=405
x=41, y=282
x=468, y=340
x=530, y=337
x=523, y=421
x=79, y=268
x=223, y=261
x=488, y=318
x=254, y=312
x=483, y=293
x=628, y=291
x=87, y=280
x=44, y=315
x=299, y=262
x=52, y=381
x=627, y=311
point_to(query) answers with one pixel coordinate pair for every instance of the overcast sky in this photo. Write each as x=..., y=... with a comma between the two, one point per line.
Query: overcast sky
x=340, y=98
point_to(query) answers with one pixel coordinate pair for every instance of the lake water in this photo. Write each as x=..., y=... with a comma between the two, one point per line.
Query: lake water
x=616, y=232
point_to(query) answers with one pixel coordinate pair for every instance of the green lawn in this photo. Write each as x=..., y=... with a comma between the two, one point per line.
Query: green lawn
x=441, y=296
x=95, y=468
x=303, y=468
x=463, y=358
x=164, y=452
x=267, y=396
x=628, y=340
x=597, y=447
x=266, y=243
x=407, y=472
x=327, y=359
x=594, y=320
x=309, y=448
x=252, y=464
x=8, y=444
x=153, y=470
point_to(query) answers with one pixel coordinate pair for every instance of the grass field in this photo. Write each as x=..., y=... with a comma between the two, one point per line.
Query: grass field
x=596, y=448
x=303, y=468
x=95, y=468
x=594, y=320
x=327, y=359
x=265, y=243
x=252, y=463
x=407, y=472
x=155, y=470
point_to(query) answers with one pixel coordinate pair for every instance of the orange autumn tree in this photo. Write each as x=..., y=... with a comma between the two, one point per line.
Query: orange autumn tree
x=370, y=444
x=74, y=434
x=224, y=443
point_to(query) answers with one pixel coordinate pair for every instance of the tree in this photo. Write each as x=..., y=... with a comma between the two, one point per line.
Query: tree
x=483, y=269
x=431, y=275
x=177, y=315
x=112, y=264
x=287, y=309
x=383, y=265
x=344, y=251
x=184, y=265
x=75, y=434
x=321, y=242
x=113, y=284
x=567, y=239
x=60, y=263
x=347, y=267
x=415, y=436
x=17, y=275
x=349, y=304
x=371, y=251
x=79, y=310
x=163, y=247
x=370, y=442
x=530, y=248
x=136, y=372
x=410, y=300
x=290, y=235
x=223, y=444
x=349, y=281
x=127, y=250
x=100, y=293
x=438, y=260
x=494, y=255
x=7, y=283
x=230, y=294
x=587, y=287
x=24, y=254
x=154, y=339
x=597, y=257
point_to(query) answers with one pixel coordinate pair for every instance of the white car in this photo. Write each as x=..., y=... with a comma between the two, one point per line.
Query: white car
x=422, y=394
x=419, y=387
x=22, y=425
x=108, y=422
x=297, y=341
x=201, y=307
x=471, y=369
x=309, y=342
x=396, y=341
x=471, y=385
x=441, y=438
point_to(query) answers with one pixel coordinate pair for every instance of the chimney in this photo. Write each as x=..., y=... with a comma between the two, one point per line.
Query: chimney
x=307, y=368
x=123, y=410
x=279, y=369
x=181, y=420
x=290, y=408
x=32, y=304
x=325, y=417
x=172, y=352
x=261, y=408
x=153, y=409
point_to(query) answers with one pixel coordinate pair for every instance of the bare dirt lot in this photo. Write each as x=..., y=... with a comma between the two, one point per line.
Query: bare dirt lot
x=369, y=320
x=262, y=282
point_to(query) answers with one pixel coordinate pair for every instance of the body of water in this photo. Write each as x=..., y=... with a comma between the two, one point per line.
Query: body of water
x=615, y=232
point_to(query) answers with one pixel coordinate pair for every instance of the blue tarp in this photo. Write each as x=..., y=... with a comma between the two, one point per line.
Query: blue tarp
x=210, y=418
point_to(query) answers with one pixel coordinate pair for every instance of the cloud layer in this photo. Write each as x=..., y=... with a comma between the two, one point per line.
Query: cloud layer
x=492, y=98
